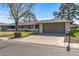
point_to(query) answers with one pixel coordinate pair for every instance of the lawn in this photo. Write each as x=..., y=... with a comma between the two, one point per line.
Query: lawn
x=76, y=33
x=74, y=36
x=23, y=34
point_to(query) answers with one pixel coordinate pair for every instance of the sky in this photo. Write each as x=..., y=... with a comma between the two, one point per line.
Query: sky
x=41, y=10
x=45, y=10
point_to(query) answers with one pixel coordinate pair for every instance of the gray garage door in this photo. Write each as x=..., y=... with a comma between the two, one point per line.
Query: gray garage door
x=57, y=28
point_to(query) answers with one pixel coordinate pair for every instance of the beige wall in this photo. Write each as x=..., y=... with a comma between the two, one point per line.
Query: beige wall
x=40, y=28
x=0, y=28
x=67, y=27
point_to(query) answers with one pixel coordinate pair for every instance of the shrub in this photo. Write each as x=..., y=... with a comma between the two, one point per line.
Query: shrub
x=17, y=34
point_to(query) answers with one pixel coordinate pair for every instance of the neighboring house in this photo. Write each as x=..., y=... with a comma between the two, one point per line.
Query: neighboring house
x=74, y=25
x=3, y=26
x=44, y=26
x=76, y=22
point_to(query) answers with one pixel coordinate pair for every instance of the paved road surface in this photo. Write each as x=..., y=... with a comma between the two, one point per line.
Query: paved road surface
x=28, y=49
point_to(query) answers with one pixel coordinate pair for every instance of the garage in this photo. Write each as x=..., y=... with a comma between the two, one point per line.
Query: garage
x=56, y=28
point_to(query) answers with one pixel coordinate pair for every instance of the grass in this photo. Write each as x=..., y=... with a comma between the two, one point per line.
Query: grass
x=23, y=34
x=75, y=33
x=26, y=34
x=6, y=33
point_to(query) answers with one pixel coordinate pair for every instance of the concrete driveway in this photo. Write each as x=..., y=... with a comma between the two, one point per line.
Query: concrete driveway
x=44, y=39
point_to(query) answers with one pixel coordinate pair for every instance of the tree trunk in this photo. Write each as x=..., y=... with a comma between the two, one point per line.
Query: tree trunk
x=68, y=15
x=29, y=18
x=17, y=34
x=16, y=26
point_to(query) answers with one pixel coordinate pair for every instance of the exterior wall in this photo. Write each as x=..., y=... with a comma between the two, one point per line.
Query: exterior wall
x=40, y=28
x=25, y=28
x=55, y=28
x=67, y=27
x=0, y=28
x=4, y=28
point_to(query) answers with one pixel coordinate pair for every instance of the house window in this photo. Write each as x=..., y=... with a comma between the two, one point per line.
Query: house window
x=22, y=26
x=12, y=27
x=37, y=26
x=30, y=26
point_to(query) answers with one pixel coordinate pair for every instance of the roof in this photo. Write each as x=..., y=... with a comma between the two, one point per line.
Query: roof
x=55, y=21
x=2, y=24
x=25, y=23
x=39, y=22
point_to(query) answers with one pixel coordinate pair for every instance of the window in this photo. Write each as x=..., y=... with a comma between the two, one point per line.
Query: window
x=12, y=27
x=37, y=26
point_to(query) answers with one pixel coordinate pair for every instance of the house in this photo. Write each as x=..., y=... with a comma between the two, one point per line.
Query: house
x=44, y=26
x=3, y=26
x=76, y=22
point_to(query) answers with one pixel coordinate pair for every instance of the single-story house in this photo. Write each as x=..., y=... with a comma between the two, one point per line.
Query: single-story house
x=43, y=26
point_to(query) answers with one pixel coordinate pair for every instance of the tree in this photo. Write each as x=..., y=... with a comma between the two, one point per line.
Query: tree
x=31, y=17
x=19, y=11
x=67, y=11
x=56, y=14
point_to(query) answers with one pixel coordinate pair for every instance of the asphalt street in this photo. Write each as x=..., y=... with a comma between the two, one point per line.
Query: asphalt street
x=29, y=49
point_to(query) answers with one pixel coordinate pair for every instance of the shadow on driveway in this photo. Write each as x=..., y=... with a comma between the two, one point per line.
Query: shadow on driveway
x=50, y=34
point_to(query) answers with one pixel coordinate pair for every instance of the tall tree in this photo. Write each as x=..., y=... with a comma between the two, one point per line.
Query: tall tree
x=31, y=17
x=19, y=11
x=68, y=11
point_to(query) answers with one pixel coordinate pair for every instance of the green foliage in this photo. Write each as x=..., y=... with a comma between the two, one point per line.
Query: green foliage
x=68, y=11
x=20, y=11
x=75, y=33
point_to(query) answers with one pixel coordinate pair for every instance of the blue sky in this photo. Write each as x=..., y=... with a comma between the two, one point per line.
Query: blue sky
x=41, y=10
x=45, y=10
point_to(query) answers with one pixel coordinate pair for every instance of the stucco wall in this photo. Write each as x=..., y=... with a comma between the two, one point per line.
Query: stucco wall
x=67, y=27
x=40, y=28
x=0, y=28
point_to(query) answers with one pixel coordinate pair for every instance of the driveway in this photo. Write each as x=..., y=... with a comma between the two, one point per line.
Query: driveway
x=44, y=39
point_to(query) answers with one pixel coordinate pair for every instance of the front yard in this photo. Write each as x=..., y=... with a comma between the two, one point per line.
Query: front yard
x=9, y=34
x=74, y=36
